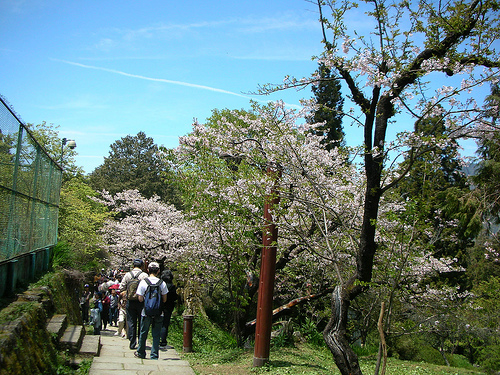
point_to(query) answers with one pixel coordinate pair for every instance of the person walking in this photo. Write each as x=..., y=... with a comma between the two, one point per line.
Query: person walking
x=85, y=303
x=168, y=306
x=113, y=307
x=122, y=317
x=153, y=292
x=105, y=309
x=95, y=316
x=128, y=287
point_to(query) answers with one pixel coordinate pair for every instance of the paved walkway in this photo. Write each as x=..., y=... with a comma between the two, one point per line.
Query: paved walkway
x=117, y=358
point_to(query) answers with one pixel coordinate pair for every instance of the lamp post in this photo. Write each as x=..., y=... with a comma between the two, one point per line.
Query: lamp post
x=71, y=144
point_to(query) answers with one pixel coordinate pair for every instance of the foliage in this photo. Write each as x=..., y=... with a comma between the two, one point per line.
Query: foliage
x=211, y=338
x=223, y=357
x=488, y=168
x=47, y=135
x=490, y=358
x=328, y=110
x=134, y=162
x=390, y=75
x=80, y=219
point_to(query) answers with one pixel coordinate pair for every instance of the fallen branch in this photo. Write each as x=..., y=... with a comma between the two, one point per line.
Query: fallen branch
x=291, y=304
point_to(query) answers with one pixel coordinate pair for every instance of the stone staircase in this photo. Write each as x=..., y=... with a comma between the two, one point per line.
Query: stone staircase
x=72, y=338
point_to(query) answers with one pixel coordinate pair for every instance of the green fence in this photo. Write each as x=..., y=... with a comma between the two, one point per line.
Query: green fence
x=30, y=183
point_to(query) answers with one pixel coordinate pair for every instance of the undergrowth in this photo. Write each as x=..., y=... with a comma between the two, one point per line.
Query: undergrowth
x=215, y=353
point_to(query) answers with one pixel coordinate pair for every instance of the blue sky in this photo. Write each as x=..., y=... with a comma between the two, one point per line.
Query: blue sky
x=101, y=70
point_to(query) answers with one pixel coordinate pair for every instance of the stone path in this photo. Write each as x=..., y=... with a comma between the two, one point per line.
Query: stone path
x=116, y=358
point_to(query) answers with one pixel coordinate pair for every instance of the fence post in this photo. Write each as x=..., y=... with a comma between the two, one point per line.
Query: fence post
x=32, y=266
x=11, y=277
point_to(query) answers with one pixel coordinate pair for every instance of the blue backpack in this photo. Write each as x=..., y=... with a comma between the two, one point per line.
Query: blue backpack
x=152, y=298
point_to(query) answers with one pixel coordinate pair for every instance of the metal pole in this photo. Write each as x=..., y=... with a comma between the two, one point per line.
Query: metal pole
x=63, y=142
x=187, y=337
x=266, y=282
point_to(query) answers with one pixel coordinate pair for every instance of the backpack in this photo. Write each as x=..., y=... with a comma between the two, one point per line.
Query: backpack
x=132, y=287
x=152, y=298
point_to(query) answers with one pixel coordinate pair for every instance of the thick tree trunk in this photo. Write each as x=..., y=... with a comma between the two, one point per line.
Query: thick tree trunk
x=335, y=334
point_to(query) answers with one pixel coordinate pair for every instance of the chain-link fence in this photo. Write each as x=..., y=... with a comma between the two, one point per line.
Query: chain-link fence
x=30, y=184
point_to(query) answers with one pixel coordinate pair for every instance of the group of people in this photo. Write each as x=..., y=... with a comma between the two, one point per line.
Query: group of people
x=105, y=305
x=134, y=302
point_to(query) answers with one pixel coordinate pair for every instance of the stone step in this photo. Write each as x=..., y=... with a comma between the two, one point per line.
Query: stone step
x=57, y=325
x=91, y=346
x=72, y=338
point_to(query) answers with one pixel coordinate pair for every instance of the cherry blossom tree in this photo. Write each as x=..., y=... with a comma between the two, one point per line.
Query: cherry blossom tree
x=395, y=71
x=144, y=228
x=224, y=168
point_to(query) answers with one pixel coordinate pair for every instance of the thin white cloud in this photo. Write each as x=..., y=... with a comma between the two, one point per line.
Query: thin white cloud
x=180, y=83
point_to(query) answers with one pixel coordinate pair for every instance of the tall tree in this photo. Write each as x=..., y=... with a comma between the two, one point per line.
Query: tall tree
x=391, y=72
x=436, y=183
x=80, y=220
x=488, y=171
x=228, y=167
x=134, y=162
x=328, y=110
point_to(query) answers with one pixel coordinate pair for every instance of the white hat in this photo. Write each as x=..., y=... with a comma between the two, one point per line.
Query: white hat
x=153, y=265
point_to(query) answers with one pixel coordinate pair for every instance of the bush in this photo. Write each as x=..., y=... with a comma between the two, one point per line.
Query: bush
x=206, y=336
x=414, y=348
x=366, y=350
x=65, y=257
x=311, y=333
x=490, y=358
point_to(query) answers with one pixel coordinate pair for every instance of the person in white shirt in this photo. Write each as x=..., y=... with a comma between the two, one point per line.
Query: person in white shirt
x=153, y=321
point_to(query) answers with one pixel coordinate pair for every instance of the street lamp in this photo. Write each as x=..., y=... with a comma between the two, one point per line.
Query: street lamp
x=71, y=144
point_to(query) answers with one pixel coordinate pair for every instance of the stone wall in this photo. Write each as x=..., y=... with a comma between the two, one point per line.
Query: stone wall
x=26, y=347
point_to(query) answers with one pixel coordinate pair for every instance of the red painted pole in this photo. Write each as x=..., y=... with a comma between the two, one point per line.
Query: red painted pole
x=266, y=282
x=187, y=336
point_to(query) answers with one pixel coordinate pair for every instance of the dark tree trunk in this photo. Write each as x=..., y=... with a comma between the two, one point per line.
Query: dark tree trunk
x=335, y=334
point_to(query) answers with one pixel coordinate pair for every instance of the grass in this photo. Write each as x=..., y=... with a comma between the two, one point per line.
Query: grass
x=214, y=353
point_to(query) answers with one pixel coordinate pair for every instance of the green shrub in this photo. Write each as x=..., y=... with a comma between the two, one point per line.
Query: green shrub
x=311, y=333
x=459, y=361
x=62, y=256
x=490, y=358
x=65, y=256
x=207, y=337
x=366, y=350
x=414, y=348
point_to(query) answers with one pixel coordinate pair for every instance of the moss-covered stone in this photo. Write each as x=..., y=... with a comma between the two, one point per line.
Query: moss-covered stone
x=26, y=347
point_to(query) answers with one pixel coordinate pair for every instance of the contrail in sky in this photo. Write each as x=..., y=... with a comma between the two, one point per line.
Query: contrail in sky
x=154, y=79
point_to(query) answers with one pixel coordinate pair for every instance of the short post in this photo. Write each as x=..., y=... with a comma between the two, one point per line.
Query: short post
x=32, y=266
x=46, y=259
x=188, y=333
x=11, y=277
